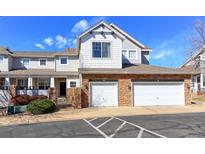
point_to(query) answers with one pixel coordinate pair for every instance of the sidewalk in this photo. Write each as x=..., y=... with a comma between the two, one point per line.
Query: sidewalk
x=74, y=114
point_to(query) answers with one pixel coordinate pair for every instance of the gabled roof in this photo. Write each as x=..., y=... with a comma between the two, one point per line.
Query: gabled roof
x=193, y=56
x=45, y=54
x=130, y=38
x=5, y=51
x=94, y=27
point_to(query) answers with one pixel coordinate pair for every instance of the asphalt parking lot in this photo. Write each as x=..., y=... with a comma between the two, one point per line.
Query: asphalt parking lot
x=190, y=125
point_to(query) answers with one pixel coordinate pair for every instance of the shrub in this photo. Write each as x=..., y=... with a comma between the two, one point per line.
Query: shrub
x=41, y=106
x=25, y=99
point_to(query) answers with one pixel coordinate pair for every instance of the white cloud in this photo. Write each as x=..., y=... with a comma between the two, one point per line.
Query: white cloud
x=162, y=54
x=40, y=46
x=71, y=42
x=80, y=26
x=61, y=41
x=48, y=41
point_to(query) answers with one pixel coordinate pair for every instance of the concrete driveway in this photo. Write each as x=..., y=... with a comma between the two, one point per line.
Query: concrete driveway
x=145, y=126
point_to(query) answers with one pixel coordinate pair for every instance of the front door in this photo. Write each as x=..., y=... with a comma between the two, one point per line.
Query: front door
x=62, y=88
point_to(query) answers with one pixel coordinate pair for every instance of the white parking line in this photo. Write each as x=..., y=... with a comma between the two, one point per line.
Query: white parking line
x=140, y=133
x=105, y=122
x=149, y=131
x=92, y=119
x=101, y=132
x=117, y=130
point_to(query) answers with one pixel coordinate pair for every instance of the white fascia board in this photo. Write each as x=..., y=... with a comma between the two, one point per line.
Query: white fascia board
x=130, y=37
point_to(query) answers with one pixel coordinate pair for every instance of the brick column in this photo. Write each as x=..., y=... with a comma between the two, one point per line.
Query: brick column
x=85, y=93
x=187, y=91
x=12, y=92
x=124, y=96
x=73, y=96
x=53, y=94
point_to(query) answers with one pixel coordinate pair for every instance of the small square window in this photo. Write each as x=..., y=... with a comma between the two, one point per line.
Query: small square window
x=132, y=54
x=124, y=54
x=72, y=84
x=63, y=60
x=25, y=61
x=42, y=62
x=1, y=59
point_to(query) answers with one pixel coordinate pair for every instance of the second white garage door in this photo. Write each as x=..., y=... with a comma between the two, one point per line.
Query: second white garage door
x=158, y=93
x=103, y=94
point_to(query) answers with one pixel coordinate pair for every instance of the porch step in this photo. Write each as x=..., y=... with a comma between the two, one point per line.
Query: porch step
x=63, y=102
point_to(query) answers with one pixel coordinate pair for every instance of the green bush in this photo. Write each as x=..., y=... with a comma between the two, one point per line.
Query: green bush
x=41, y=106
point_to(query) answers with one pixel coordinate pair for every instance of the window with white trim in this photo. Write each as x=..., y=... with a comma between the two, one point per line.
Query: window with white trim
x=63, y=60
x=101, y=49
x=132, y=54
x=25, y=61
x=73, y=84
x=43, y=62
x=22, y=83
x=124, y=54
x=1, y=59
x=43, y=84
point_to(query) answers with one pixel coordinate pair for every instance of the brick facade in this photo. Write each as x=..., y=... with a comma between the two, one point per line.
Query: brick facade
x=124, y=85
x=73, y=96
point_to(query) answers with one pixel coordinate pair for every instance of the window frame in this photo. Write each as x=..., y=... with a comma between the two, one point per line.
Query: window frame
x=61, y=58
x=22, y=59
x=46, y=87
x=23, y=86
x=132, y=51
x=40, y=62
x=72, y=86
x=101, y=57
x=128, y=55
x=1, y=56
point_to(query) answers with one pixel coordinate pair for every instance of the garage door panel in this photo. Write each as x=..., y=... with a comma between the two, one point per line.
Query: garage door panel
x=159, y=93
x=104, y=94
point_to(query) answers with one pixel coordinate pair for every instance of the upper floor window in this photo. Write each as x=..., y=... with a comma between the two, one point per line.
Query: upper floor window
x=129, y=54
x=43, y=62
x=63, y=60
x=124, y=54
x=25, y=61
x=101, y=49
x=132, y=54
x=1, y=59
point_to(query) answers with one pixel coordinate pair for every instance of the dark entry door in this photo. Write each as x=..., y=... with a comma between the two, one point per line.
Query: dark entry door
x=62, y=88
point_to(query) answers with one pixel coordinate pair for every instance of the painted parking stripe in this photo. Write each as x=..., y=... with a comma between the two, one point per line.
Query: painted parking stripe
x=98, y=130
x=117, y=130
x=105, y=122
x=149, y=131
x=92, y=119
x=140, y=133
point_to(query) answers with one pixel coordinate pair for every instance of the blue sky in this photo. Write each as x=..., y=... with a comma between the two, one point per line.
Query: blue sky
x=167, y=36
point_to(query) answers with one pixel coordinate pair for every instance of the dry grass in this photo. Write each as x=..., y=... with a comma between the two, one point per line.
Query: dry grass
x=201, y=99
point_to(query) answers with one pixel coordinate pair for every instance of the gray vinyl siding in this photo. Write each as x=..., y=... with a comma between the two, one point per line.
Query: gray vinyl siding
x=34, y=63
x=72, y=65
x=128, y=45
x=5, y=65
x=86, y=58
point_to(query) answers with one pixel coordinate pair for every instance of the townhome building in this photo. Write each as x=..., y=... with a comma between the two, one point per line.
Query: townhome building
x=111, y=68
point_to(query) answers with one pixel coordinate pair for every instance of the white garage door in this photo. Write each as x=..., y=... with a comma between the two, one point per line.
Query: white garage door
x=104, y=94
x=158, y=93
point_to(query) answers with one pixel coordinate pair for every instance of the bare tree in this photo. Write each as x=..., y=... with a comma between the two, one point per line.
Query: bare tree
x=197, y=41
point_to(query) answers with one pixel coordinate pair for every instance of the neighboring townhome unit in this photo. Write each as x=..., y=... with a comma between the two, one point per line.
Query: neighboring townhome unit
x=197, y=62
x=111, y=68
x=34, y=72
